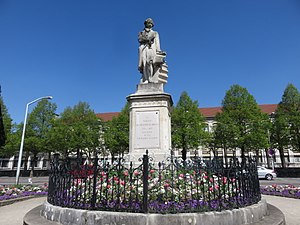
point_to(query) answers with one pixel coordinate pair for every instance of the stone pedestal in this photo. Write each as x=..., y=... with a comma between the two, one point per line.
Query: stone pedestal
x=150, y=122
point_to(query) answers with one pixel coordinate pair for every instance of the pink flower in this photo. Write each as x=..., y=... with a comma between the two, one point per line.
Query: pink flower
x=126, y=173
x=152, y=171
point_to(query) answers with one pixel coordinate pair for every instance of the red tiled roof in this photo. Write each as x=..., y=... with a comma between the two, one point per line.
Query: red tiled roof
x=268, y=108
x=107, y=116
x=210, y=112
x=206, y=112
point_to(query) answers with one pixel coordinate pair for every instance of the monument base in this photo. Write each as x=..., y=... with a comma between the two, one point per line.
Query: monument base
x=150, y=122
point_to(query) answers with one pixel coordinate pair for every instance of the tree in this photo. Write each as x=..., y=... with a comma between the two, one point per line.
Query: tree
x=39, y=124
x=76, y=130
x=224, y=133
x=286, y=125
x=116, y=133
x=280, y=133
x=5, y=126
x=13, y=140
x=2, y=130
x=290, y=104
x=247, y=124
x=187, y=124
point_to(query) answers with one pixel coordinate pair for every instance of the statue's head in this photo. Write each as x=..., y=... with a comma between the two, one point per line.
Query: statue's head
x=149, y=23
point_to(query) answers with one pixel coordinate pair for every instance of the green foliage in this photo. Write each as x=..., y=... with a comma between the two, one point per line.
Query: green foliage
x=2, y=131
x=285, y=131
x=76, y=130
x=5, y=128
x=116, y=133
x=39, y=124
x=241, y=124
x=290, y=105
x=225, y=132
x=13, y=141
x=187, y=124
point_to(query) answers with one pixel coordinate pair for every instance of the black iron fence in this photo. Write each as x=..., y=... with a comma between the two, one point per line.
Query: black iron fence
x=167, y=187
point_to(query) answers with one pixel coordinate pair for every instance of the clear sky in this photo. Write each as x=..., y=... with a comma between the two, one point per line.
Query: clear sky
x=87, y=50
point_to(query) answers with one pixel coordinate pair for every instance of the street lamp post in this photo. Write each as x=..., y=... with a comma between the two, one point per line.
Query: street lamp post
x=23, y=135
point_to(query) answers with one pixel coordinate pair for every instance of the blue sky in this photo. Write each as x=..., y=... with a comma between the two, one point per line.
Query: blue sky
x=87, y=50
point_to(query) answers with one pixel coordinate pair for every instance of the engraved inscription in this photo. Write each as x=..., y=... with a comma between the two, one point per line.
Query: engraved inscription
x=147, y=129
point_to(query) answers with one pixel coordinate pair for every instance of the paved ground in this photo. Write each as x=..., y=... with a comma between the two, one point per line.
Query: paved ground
x=13, y=214
x=289, y=206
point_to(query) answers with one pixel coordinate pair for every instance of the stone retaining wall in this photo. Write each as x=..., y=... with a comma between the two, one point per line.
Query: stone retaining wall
x=67, y=216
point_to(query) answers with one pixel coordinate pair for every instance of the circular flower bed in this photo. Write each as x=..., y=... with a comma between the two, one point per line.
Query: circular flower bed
x=169, y=187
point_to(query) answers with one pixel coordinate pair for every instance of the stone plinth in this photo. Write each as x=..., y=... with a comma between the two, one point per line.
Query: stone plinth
x=150, y=122
x=254, y=214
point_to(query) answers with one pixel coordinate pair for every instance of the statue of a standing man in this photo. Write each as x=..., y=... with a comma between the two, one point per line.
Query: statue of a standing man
x=150, y=56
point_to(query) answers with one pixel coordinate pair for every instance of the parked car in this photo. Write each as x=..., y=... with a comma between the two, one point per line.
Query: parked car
x=265, y=173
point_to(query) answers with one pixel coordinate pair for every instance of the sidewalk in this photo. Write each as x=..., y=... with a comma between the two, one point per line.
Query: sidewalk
x=289, y=206
x=13, y=214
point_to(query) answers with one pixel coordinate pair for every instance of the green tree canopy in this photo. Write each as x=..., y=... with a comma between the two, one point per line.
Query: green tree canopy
x=290, y=104
x=5, y=127
x=116, y=133
x=39, y=124
x=286, y=125
x=246, y=126
x=76, y=130
x=187, y=125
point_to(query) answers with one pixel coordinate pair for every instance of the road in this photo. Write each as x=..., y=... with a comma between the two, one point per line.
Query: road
x=281, y=181
x=23, y=180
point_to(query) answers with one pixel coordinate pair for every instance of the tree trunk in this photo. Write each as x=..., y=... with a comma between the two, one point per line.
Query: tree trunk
x=267, y=157
x=26, y=160
x=243, y=155
x=49, y=160
x=33, y=161
x=226, y=157
x=183, y=152
x=112, y=158
x=281, y=153
x=257, y=156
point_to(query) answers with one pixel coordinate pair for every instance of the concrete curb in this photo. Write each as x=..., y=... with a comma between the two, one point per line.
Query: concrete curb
x=274, y=217
x=18, y=199
x=33, y=217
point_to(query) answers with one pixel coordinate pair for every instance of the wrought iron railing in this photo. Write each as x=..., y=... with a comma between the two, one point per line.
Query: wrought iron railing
x=167, y=187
